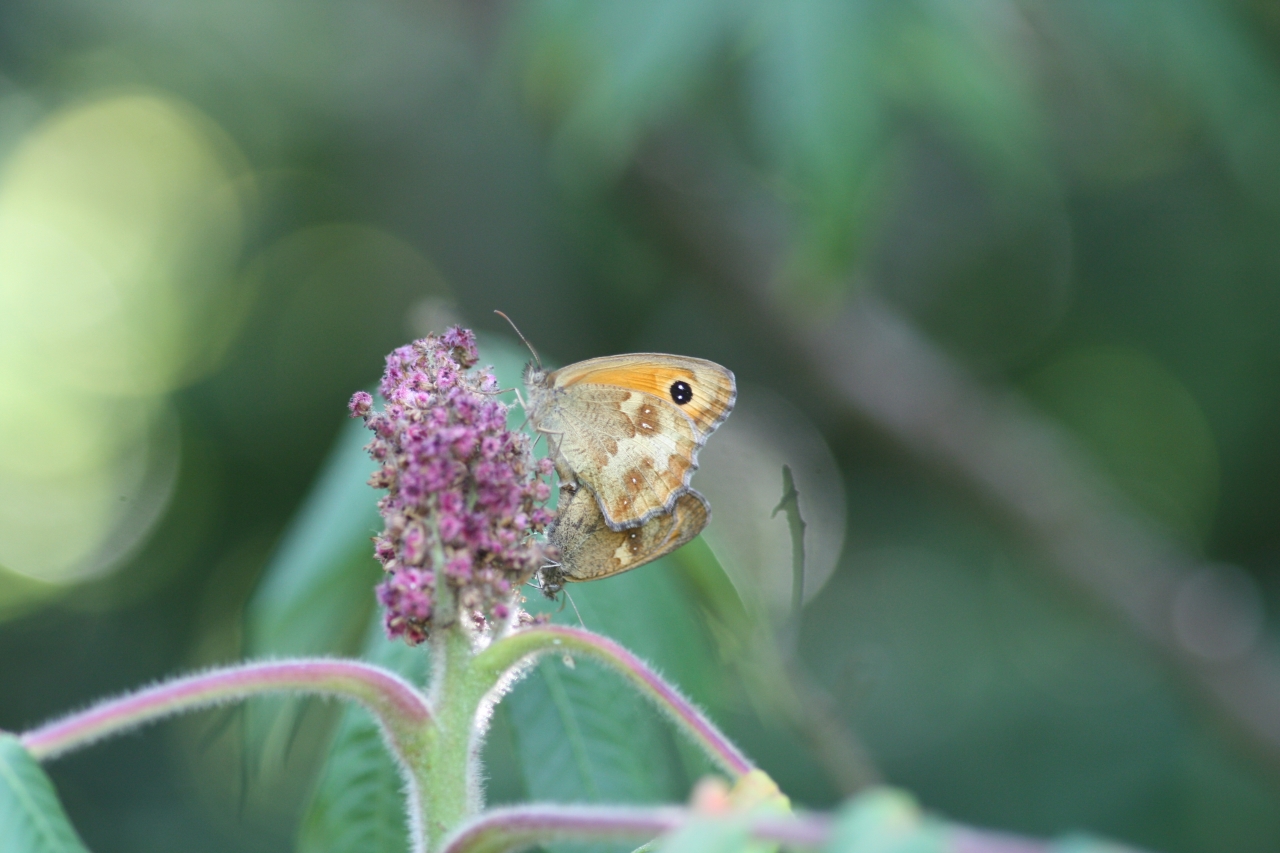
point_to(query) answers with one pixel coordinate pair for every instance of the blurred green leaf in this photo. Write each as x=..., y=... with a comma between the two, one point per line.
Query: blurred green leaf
x=316, y=595
x=885, y=821
x=712, y=836
x=819, y=120
x=31, y=818
x=358, y=805
x=613, y=70
x=1202, y=63
x=956, y=63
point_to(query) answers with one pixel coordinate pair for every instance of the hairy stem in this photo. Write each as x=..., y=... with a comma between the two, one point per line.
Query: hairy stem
x=449, y=777
x=522, y=647
x=402, y=710
x=506, y=830
x=518, y=827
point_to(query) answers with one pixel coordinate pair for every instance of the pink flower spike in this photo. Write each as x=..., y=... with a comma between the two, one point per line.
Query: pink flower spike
x=463, y=491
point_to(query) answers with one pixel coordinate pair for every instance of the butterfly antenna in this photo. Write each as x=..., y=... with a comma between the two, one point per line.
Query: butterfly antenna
x=536, y=360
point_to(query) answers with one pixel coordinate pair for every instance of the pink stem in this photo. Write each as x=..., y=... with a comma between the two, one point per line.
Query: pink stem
x=398, y=706
x=535, y=642
x=518, y=827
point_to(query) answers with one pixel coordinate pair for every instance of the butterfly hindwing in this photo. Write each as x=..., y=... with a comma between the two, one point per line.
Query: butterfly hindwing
x=590, y=550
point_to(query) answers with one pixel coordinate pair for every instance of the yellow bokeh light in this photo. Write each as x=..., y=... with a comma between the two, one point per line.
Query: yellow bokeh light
x=121, y=223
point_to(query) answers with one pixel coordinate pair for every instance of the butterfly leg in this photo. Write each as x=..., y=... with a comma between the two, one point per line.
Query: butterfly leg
x=569, y=598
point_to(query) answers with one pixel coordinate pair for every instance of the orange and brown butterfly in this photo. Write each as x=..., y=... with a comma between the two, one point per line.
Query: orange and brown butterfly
x=590, y=550
x=624, y=431
x=629, y=427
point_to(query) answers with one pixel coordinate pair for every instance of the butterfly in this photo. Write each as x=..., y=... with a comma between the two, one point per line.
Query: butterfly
x=590, y=550
x=629, y=427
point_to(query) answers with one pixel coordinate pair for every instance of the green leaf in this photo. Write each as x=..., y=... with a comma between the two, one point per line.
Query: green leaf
x=584, y=736
x=31, y=818
x=316, y=595
x=358, y=805
x=815, y=87
x=581, y=733
x=950, y=66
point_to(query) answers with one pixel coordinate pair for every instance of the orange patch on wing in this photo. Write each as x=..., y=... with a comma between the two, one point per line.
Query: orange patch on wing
x=713, y=387
x=653, y=380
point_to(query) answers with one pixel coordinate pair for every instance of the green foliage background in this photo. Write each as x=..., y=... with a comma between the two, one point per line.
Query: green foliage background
x=1078, y=202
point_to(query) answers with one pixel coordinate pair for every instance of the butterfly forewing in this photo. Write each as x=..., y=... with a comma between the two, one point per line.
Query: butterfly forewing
x=712, y=388
x=629, y=427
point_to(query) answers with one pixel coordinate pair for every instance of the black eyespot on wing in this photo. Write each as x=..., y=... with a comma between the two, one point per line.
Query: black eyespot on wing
x=681, y=392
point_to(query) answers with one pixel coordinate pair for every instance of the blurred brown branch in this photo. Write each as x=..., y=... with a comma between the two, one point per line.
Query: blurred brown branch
x=887, y=371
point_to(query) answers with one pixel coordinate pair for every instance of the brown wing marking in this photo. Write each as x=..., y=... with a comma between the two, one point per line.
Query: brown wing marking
x=590, y=550
x=634, y=453
x=647, y=475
